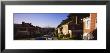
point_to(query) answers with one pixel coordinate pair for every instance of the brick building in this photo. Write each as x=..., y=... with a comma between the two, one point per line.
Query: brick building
x=89, y=25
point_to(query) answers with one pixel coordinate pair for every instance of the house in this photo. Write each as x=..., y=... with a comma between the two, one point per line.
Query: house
x=72, y=26
x=89, y=26
x=78, y=26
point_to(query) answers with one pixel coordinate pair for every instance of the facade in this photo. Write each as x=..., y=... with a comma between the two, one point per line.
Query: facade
x=89, y=25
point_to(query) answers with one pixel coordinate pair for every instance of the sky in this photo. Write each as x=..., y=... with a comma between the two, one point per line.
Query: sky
x=40, y=19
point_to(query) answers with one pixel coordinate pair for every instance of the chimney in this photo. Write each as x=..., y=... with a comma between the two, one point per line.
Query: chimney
x=76, y=19
x=23, y=22
x=30, y=23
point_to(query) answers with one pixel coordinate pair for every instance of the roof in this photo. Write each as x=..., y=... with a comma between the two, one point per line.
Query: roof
x=18, y=25
x=80, y=15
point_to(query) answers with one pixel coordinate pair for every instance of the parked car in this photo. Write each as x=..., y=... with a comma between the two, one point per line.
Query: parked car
x=50, y=38
x=40, y=38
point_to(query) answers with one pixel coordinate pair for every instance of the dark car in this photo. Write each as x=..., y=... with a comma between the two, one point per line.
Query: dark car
x=40, y=38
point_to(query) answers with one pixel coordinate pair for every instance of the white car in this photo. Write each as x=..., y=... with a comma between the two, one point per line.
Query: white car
x=50, y=38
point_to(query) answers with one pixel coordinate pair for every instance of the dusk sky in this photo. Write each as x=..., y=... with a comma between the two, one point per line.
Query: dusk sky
x=40, y=19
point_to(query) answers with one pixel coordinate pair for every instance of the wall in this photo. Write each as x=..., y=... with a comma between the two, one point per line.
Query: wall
x=93, y=21
x=65, y=29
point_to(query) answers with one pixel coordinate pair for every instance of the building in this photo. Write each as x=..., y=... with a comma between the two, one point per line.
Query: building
x=89, y=26
x=72, y=26
x=78, y=26
x=25, y=30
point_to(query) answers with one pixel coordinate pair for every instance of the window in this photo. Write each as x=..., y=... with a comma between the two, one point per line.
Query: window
x=87, y=22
